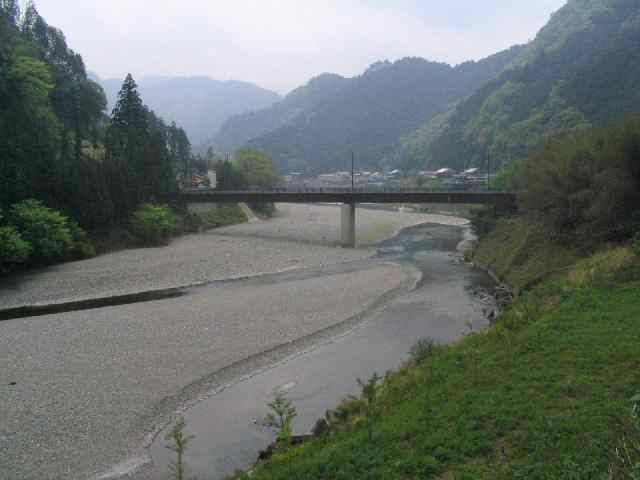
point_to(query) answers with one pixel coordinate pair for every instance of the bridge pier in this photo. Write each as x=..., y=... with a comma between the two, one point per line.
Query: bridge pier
x=348, y=225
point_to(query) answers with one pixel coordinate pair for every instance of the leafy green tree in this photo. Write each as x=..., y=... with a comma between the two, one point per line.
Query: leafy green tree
x=256, y=168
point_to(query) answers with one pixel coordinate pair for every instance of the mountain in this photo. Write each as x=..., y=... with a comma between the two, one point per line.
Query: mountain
x=318, y=126
x=583, y=68
x=238, y=130
x=199, y=104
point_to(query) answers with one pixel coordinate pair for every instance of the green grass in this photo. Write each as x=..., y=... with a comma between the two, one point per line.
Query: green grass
x=542, y=395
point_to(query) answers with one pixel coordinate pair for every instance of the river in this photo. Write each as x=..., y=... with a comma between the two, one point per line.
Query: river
x=227, y=428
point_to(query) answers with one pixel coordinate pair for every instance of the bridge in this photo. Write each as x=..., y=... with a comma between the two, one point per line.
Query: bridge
x=349, y=199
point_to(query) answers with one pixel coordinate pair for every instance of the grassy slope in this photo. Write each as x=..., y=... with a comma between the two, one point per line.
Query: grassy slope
x=522, y=253
x=536, y=397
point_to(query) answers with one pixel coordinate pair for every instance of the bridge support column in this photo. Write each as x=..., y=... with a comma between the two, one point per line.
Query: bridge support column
x=348, y=225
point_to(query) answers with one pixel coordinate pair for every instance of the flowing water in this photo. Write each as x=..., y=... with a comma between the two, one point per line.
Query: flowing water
x=228, y=426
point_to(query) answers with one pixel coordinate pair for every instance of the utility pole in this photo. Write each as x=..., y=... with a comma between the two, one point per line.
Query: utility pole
x=353, y=173
x=488, y=170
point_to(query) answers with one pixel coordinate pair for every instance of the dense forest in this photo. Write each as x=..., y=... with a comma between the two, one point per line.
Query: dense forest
x=317, y=126
x=581, y=70
x=59, y=148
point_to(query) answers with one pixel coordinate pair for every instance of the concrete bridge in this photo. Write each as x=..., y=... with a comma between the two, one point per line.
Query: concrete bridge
x=349, y=199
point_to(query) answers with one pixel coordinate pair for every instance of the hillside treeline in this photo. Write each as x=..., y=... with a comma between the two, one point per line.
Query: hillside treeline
x=58, y=146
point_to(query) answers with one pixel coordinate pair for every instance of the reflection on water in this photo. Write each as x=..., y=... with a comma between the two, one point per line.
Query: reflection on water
x=227, y=429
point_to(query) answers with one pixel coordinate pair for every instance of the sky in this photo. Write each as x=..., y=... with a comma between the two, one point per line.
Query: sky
x=281, y=44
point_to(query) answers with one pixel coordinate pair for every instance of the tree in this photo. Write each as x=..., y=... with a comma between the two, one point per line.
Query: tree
x=11, y=9
x=256, y=168
x=126, y=139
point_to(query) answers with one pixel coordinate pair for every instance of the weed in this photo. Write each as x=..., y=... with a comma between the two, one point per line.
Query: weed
x=370, y=394
x=422, y=350
x=179, y=441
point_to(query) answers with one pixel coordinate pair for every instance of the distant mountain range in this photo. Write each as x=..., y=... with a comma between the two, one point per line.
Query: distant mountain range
x=583, y=68
x=200, y=105
x=318, y=125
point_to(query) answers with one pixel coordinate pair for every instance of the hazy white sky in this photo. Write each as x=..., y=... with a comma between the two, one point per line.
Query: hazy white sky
x=280, y=44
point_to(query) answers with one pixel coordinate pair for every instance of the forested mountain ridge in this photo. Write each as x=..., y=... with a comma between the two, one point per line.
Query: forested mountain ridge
x=238, y=130
x=583, y=68
x=199, y=104
x=365, y=114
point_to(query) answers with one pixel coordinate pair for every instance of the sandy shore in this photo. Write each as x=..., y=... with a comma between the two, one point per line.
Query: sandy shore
x=300, y=236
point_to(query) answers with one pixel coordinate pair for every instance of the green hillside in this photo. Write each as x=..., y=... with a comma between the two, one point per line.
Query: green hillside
x=317, y=126
x=582, y=69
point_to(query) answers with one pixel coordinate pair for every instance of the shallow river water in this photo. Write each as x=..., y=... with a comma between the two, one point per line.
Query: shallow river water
x=227, y=425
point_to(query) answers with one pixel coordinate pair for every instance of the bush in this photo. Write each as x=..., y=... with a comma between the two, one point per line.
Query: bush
x=45, y=229
x=82, y=246
x=422, y=350
x=483, y=220
x=585, y=185
x=13, y=249
x=153, y=224
x=635, y=244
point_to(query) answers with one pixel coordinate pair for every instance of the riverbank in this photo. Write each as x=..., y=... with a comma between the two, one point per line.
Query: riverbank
x=546, y=393
x=300, y=236
x=84, y=390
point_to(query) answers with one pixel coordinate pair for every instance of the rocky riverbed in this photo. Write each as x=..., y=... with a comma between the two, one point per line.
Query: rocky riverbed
x=301, y=236
x=83, y=391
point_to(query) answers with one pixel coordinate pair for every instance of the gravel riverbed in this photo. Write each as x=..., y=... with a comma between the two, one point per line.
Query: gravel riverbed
x=300, y=236
x=82, y=391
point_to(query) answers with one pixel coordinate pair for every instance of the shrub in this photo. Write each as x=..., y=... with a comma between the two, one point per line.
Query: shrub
x=13, y=249
x=45, y=229
x=585, y=185
x=82, y=246
x=422, y=350
x=153, y=224
x=635, y=244
x=483, y=220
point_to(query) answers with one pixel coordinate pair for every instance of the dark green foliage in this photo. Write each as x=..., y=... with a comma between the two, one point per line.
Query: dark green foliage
x=217, y=216
x=153, y=224
x=422, y=350
x=370, y=395
x=635, y=244
x=483, y=220
x=46, y=230
x=587, y=186
x=57, y=144
x=14, y=250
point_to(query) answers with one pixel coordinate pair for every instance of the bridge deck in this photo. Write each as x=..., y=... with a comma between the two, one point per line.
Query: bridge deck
x=214, y=196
